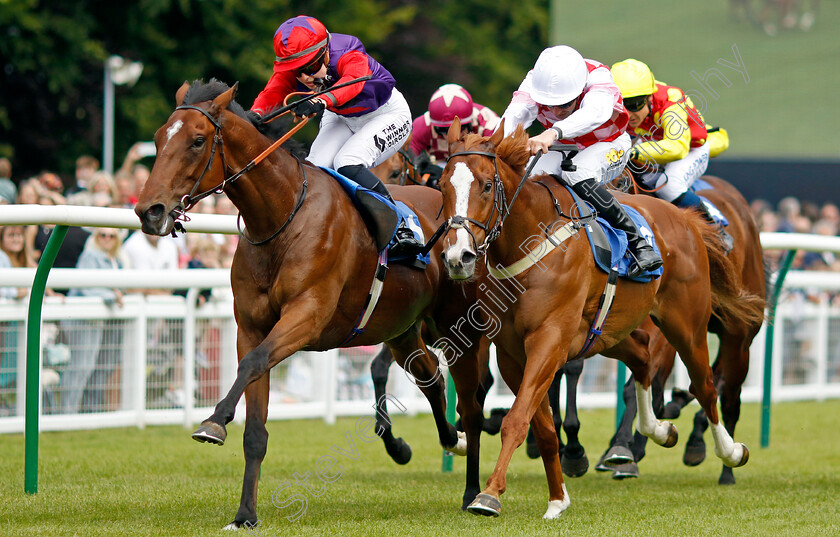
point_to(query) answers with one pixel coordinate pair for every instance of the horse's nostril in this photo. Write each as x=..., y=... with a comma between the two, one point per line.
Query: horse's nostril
x=468, y=257
x=156, y=211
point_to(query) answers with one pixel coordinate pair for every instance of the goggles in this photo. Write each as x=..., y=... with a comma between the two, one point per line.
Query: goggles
x=634, y=104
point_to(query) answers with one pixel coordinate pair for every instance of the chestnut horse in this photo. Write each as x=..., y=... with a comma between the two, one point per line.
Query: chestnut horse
x=302, y=269
x=560, y=294
x=736, y=335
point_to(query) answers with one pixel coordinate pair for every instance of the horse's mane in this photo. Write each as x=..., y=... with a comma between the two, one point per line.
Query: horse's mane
x=201, y=91
x=512, y=150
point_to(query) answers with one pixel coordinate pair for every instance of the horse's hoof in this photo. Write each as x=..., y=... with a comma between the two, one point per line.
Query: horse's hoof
x=602, y=466
x=744, y=458
x=673, y=436
x=695, y=452
x=493, y=424
x=233, y=526
x=399, y=451
x=486, y=505
x=460, y=447
x=574, y=467
x=623, y=471
x=618, y=455
x=210, y=432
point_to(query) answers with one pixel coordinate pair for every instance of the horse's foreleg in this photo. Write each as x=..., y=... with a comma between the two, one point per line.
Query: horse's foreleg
x=546, y=352
x=289, y=335
x=574, y=460
x=466, y=372
x=543, y=426
x=619, y=452
x=254, y=443
x=397, y=448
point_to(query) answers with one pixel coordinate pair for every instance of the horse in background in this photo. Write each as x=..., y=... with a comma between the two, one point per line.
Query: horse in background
x=731, y=365
x=302, y=269
x=549, y=323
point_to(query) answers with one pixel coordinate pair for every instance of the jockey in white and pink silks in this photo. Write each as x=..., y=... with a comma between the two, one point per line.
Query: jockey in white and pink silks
x=428, y=132
x=577, y=102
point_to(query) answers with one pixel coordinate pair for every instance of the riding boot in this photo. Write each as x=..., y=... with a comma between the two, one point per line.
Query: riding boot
x=406, y=244
x=611, y=210
x=692, y=200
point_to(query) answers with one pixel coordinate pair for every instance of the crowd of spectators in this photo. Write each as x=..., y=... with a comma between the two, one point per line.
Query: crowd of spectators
x=95, y=346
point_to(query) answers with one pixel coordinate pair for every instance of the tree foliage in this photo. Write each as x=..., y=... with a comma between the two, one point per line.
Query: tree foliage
x=53, y=52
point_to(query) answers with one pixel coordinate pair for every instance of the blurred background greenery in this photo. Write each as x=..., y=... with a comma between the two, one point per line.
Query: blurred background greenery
x=53, y=53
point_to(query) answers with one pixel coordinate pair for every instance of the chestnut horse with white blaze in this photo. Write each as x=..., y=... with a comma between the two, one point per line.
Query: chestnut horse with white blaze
x=550, y=321
x=303, y=268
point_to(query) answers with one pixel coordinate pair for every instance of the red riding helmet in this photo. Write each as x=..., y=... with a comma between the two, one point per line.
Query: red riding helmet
x=299, y=41
x=448, y=101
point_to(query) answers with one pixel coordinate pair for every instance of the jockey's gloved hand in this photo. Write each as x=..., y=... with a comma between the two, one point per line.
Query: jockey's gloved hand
x=255, y=119
x=308, y=107
x=431, y=172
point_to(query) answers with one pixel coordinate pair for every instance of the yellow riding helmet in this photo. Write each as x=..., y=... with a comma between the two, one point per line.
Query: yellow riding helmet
x=633, y=78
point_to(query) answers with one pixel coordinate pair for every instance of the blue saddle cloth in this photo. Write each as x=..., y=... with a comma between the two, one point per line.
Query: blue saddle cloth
x=402, y=211
x=700, y=184
x=614, y=241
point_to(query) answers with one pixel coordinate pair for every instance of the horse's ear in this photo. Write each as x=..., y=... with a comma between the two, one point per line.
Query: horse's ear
x=498, y=135
x=222, y=101
x=454, y=133
x=181, y=93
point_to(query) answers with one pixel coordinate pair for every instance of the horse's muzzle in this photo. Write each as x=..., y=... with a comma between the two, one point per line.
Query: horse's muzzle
x=459, y=262
x=155, y=220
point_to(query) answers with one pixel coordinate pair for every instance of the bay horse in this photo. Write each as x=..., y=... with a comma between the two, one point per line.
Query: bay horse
x=736, y=335
x=560, y=294
x=302, y=269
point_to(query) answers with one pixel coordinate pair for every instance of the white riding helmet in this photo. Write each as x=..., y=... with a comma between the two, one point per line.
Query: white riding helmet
x=559, y=76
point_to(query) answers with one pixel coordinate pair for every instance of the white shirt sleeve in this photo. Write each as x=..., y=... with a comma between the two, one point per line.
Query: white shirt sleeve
x=522, y=109
x=595, y=108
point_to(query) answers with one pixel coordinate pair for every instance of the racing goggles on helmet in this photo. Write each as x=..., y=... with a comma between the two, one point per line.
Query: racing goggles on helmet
x=312, y=68
x=634, y=104
x=443, y=131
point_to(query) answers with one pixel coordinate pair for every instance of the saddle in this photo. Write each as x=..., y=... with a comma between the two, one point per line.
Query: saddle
x=382, y=218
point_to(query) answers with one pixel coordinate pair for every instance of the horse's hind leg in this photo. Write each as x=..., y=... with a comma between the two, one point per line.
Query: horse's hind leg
x=733, y=363
x=254, y=443
x=397, y=448
x=574, y=460
x=689, y=339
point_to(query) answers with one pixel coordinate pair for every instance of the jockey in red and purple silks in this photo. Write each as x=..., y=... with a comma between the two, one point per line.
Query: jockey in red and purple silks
x=362, y=124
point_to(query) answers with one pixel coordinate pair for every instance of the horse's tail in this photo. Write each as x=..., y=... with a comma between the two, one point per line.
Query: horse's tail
x=730, y=301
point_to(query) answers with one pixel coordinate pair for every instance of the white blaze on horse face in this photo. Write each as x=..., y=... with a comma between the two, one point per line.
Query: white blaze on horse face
x=462, y=179
x=172, y=131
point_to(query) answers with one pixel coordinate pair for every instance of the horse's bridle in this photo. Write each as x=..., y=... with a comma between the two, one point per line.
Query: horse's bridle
x=188, y=201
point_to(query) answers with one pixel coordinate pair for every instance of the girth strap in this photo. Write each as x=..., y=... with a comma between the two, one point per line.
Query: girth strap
x=604, y=306
x=372, y=299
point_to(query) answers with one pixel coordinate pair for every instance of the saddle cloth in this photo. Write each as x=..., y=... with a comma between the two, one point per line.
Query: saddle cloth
x=383, y=217
x=700, y=184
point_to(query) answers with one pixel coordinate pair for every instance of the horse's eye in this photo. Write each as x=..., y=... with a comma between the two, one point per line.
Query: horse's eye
x=198, y=143
x=487, y=186
x=395, y=174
